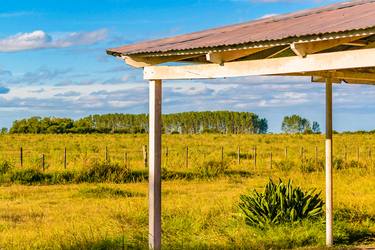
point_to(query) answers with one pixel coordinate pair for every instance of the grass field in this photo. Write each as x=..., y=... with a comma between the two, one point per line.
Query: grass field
x=199, y=212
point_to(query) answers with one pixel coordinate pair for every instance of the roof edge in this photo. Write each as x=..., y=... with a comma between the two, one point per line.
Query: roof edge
x=266, y=43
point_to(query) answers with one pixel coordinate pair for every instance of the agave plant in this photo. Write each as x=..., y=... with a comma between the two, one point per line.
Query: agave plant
x=280, y=203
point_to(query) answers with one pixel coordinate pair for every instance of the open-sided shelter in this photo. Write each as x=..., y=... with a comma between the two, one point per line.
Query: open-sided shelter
x=333, y=44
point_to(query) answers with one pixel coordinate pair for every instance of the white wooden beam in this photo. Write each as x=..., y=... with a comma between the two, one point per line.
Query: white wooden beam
x=154, y=193
x=329, y=185
x=275, y=66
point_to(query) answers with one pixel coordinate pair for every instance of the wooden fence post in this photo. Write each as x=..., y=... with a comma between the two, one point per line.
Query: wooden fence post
x=166, y=156
x=255, y=157
x=369, y=153
x=145, y=156
x=21, y=157
x=358, y=154
x=302, y=153
x=65, y=163
x=187, y=157
x=106, y=154
x=370, y=157
x=222, y=156
x=239, y=155
x=126, y=159
x=286, y=153
x=271, y=159
x=43, y=162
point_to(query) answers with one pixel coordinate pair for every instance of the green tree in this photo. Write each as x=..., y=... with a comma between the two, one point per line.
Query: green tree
x=316, y=127
x=295, y=124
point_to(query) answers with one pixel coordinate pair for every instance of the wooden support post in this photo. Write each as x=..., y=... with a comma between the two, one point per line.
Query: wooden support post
x=329, y=185
x=145, y=156
x=238, y=155
x=155, y=100
x=187, y=157
x=21, y=157
x=65, y=163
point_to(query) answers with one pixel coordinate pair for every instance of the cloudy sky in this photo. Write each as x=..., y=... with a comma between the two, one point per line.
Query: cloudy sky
x=53, y=62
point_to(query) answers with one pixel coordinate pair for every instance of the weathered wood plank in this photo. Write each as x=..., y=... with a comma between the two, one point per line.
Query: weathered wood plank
x=276, y=66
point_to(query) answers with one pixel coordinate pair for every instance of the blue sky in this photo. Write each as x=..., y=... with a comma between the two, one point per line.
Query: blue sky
x=53, y=63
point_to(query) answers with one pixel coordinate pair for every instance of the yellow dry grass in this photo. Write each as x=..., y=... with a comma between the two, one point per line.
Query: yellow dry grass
x=198, y=214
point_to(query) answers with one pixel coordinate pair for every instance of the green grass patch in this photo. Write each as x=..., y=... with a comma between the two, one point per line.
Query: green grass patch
x=108, y=192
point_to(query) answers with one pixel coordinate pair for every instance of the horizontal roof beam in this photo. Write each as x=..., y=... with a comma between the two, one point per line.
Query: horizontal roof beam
x=228, y=56
x=276, y=66
x=306, y=48
x=353, y=77
x=140, y=62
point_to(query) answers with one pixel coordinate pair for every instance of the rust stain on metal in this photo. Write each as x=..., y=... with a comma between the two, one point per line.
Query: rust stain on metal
x=336, y=18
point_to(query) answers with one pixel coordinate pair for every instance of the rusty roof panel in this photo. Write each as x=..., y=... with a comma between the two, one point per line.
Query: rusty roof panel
x=341, y=17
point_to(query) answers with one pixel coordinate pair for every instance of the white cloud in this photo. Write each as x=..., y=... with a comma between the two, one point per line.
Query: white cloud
x=268, y=15
x=122, y=104
x=15, y=14
x=41, y=40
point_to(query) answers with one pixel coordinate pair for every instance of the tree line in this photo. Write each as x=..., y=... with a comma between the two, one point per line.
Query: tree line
x=225, y=122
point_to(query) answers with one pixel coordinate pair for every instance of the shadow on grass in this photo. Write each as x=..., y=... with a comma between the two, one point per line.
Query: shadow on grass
x=352, y=227
x=348, y=234
x=104, y=244
x=107, y=173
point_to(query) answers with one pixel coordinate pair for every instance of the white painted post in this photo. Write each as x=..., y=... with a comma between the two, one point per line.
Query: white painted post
x=329, y=202
x=154, y=192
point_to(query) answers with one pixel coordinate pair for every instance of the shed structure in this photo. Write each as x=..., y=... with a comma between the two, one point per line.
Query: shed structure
x=332, y=44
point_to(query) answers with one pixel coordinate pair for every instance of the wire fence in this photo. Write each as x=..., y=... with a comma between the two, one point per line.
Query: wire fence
x=181, y=156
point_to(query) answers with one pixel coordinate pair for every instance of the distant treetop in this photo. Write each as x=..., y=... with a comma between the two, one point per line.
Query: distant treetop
x=296, y=124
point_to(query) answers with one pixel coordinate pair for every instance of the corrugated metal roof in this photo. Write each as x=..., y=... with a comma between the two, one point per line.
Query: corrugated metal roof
x=336, y=18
